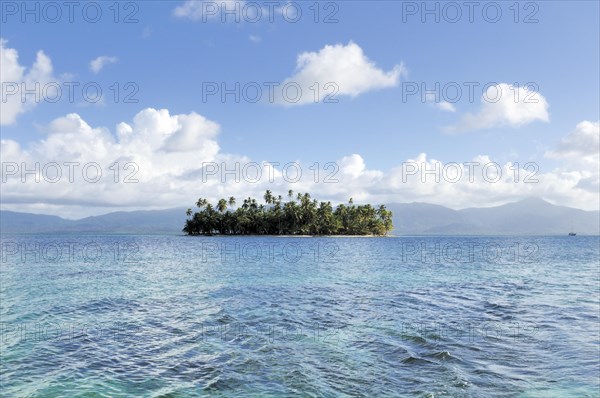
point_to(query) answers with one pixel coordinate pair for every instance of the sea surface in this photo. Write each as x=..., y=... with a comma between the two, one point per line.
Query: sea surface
x=177, y=316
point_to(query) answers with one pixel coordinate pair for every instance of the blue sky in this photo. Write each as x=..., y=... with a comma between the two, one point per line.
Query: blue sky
x=169, y=57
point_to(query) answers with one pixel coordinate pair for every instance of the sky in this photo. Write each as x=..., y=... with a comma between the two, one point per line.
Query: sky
x=498, y=100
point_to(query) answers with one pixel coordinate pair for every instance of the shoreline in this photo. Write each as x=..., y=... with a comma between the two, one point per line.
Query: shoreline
x=289, y=236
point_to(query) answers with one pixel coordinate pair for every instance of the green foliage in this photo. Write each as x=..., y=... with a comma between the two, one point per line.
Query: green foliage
x=303, y=216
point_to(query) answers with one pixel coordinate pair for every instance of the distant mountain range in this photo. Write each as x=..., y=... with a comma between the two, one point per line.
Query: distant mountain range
x=169, y=221
x=527, y=217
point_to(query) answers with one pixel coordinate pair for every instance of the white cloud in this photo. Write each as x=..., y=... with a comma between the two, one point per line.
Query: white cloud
x=446, y=106
x=431, y=99
x=169, y=152
x=347, y=70
x=254, y=39
x=582, y=142
x=505, y=105
x=579, y=152
x=354, y=167
x=161, y=145
x=97, y=64
x=479, y=188
x=14, y=78
x=194, y=133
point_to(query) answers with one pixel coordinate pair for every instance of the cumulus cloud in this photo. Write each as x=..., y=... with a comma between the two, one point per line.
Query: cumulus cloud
x=171, y=160
x=505, y=105
x=192, y=134
x=582, y=142
x=15, y=77
x=339, y=70
x=354, y=167
x=485, y=182
x=97, y=64
x=579, y=152
x=155, y=149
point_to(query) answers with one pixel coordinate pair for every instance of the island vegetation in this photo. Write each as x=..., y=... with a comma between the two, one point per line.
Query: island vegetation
x=301, y=215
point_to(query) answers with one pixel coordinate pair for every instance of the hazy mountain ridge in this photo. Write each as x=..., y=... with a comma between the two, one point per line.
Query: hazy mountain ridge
x=142, y=221
x=527, y=217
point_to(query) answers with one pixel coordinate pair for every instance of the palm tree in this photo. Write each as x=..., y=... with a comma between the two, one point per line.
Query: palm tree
x=292, y=216
x=201, y=203
x=210, y=220
x=386, y=218
x=268, y=197
x=277, y=214
x=221, y=207
x=188, y=212
x=231, y=201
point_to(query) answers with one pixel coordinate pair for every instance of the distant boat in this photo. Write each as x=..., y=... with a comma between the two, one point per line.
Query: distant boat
x=572, y=233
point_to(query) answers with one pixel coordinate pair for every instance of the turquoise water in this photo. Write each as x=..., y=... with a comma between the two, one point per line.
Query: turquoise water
x=176, y=316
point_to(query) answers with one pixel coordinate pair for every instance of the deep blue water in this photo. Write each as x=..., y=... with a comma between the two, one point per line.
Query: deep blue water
x=176, y=316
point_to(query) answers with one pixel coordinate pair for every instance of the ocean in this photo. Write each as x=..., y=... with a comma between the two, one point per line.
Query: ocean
x=178, y=316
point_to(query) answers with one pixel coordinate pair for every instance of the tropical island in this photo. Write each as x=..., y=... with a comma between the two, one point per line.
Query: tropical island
x=300, y=216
